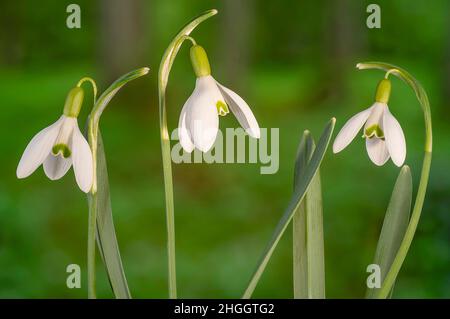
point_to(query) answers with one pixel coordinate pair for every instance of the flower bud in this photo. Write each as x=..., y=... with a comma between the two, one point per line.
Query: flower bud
x=199, y=61
x=74, y=101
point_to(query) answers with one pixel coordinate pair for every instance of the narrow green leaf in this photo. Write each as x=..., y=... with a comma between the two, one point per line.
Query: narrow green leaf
x=300, y=256
x=394, y=225
x=308, y=246
x=314, y=240
x=304, y=153
x=299, y=253
x=294, y=203
x=106, y=235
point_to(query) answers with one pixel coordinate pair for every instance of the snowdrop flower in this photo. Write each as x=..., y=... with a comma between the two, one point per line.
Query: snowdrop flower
x=383, y=134
x=60, y=146
x=199, y=118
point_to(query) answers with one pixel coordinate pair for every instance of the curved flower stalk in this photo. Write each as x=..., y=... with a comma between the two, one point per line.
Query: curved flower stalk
x=61, y=145
x=384, y=135
x=99, y=202
x=163, y=77
x=422, y=97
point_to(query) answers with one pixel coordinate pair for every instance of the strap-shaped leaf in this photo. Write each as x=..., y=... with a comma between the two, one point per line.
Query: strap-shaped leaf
x=106, y=234
x=294, y=203
x=308, y=246
x=394, y=225
x=299, y=253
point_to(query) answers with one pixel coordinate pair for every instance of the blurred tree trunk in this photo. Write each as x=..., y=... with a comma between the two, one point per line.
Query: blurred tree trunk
x=446, y=62
x=344, y=40
x=234, y=40
x=122, y=40
x=11, y=27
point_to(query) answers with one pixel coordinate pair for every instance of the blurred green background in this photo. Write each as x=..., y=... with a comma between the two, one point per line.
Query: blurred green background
x=293, y=62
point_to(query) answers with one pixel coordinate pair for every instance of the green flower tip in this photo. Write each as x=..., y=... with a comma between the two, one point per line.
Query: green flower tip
x=199, y=60
x=383, y=91
x=74, y=101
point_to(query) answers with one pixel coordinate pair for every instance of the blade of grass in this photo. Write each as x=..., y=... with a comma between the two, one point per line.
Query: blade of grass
x=394, y=225
x=294, y=203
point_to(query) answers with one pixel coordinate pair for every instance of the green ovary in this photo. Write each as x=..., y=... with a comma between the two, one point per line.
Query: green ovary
x=62, y=149
x=222, y=108
x=374, y=130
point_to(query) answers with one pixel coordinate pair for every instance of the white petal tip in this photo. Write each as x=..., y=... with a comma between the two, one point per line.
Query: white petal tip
x=398, y=163
x=255, y=133
x=187, y=149
x=20, y=174
x=377, y=163
x=86, y=189
x=336, y=148
x=204, y=149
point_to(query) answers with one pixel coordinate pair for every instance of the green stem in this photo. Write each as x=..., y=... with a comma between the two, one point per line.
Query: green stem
x=92, y=212
x=163, y=77
x=91, y=248
x=418, y=205
x=92, y=226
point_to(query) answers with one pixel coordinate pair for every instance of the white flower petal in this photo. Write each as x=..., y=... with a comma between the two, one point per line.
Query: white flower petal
x=377, y=150
x=38, y=149
x=56, y=167
x=241, y=110
x=395, y=139
x=82, y=161
x=350, y=129
x=183, y=133
x=202, y=119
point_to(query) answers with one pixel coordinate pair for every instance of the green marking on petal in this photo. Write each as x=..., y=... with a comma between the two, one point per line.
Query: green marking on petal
x=62, y=149
x=222, y=108
x=374, y=130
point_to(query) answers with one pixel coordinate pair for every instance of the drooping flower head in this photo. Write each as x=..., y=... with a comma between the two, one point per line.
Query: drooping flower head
x=59, y=146
x=382, y=132
x=199, y=118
